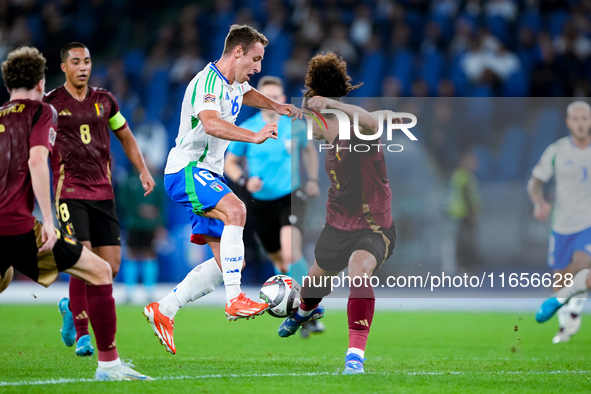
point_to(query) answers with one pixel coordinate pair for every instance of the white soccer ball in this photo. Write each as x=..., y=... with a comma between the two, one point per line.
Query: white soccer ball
x=282, y=293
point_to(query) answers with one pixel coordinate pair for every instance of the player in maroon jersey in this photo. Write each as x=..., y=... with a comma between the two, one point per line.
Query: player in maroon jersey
x=82, y=178
x=359, y=232
x=27, y=137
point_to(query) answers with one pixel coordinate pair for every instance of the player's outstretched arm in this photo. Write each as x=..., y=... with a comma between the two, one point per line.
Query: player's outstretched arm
x=214, y=125
x=310, y=160
x=254, y=98
x=536, y=194
x=132, y=151
x=39, y=170
x=368, y=124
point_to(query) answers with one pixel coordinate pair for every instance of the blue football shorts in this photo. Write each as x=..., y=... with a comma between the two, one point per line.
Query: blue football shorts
x=199, y=190
x=562, y=246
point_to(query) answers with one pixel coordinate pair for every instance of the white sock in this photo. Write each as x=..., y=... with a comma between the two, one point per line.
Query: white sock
x=579, y=286
x=304, y=313
x=109, y=364
x=232, y=256
x=577, y=303
x=564, y=316
x=354, y=350
x=199, y=282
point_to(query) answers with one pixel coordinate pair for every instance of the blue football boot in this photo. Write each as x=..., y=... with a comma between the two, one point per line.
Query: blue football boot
x=547, y=309
x=291, y=324
x=353, y=364
x=68, y=329
x=84, y=346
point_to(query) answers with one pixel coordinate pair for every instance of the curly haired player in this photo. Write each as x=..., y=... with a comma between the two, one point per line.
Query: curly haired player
x=359, y=233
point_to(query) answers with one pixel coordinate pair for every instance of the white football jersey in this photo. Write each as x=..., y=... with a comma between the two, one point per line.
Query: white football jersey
x=209, y=90
x=572, y=168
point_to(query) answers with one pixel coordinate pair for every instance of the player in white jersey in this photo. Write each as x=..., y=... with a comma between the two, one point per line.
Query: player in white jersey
x=569, y=250
x=193, y=176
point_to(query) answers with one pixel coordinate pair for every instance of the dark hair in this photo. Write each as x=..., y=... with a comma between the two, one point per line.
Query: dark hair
x=327, y=77
x=23, y=68
x=245, y=36
x=65, y=52
x=269, y=80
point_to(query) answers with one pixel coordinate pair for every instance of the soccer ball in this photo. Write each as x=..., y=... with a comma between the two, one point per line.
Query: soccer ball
x=282, y=293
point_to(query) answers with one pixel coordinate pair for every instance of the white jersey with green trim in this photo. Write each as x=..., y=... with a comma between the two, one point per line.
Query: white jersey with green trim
x=209, y=90
x=572, y=168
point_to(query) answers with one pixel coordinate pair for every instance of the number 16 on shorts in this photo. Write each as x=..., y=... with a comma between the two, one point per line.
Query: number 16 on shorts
x=209, y=188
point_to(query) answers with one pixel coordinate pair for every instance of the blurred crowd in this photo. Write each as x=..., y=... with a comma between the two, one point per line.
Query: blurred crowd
x=145, y=52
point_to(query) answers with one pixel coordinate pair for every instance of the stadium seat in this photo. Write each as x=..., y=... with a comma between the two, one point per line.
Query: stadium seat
x=498, y=27
x=432, y=69
x=157, y=92
x=509, y=165
x=530, y=18
x=402, y=68
x=372, y=74
x=517, y=85
x=485, y=163
x=556, y=22
x=276, y=54
x=549, y=127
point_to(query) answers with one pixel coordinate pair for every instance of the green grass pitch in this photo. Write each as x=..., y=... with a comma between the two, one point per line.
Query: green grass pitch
x=412, y=352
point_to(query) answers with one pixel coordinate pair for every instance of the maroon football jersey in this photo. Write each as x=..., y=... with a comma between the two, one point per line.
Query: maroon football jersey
x=23, y=125
x=81, y=163
x=359, y=197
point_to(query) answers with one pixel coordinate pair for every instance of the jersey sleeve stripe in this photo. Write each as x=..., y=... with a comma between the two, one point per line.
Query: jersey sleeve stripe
x=194, y=93
x=208, y=80
x=211, y=86
x=117, y=121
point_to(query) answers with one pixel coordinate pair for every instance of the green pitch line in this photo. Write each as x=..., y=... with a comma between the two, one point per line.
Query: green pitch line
x=407, y=352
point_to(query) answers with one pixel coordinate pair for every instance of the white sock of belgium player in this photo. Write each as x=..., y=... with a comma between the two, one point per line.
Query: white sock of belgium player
x=232, y=256
x=198, y=283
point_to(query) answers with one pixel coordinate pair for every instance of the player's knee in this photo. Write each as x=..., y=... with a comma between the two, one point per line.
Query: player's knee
x=362, y=268
x=236, y=214
x=581, y=260
x=103, y=273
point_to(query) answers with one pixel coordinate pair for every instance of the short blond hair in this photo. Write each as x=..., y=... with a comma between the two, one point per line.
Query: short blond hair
x=577, y=104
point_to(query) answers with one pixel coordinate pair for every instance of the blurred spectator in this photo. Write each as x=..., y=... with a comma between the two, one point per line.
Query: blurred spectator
x=464, y=208
x=311, y=29
x=362, y=27
x=145, y=225
x=187, y=65
x=506, y=9
x=488, y=61
x=338, y=42
x=151, y=138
